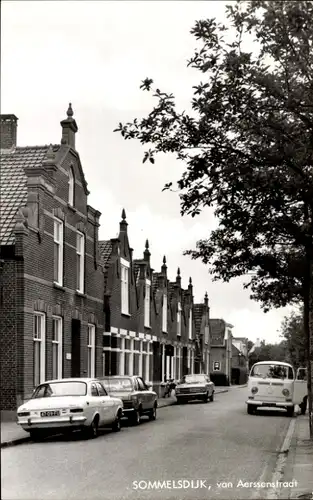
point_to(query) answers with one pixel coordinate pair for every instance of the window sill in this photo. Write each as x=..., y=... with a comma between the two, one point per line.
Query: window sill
x=147, y=327
x=165, y=333
x=71, y=207
x=127, y=315
x=81, y=294
x=58, y=287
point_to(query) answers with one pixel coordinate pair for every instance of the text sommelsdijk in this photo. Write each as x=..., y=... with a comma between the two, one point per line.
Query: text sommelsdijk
x=195, y=484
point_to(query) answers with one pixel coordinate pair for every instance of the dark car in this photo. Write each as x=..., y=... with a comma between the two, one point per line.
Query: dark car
x=138, y=398
x=192, y=387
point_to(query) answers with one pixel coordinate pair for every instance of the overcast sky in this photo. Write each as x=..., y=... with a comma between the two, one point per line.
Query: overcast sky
x=95, y=54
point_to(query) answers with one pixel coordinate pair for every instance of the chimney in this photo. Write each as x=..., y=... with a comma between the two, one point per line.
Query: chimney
x=146, y=254
x=69, y=128
x=8, y=132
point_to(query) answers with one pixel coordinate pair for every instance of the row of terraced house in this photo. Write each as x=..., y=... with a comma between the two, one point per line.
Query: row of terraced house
x=72, y=305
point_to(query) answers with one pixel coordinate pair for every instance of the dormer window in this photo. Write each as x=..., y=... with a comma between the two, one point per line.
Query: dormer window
x=179, y=319
x=190, y=324
x=71, y=182
x=124, y=286
x=164, y=314
x=147, y=304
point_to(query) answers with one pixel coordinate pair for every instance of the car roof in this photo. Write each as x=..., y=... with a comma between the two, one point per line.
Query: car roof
x=73, y=379
x=283, y=363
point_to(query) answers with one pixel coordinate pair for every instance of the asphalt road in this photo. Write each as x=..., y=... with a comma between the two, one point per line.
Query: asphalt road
x=215, y=442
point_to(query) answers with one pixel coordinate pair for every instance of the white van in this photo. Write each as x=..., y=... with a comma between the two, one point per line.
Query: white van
x=273, y=384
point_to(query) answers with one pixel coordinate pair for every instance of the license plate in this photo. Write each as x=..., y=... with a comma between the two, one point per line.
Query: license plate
x=49, y=413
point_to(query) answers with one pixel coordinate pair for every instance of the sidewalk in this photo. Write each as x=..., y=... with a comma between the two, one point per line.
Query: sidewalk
x=12, y=434
x=299, y=465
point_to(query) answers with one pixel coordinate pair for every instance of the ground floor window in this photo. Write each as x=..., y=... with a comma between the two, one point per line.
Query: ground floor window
x=57, y=362
x=91, y=350
x=39, y=345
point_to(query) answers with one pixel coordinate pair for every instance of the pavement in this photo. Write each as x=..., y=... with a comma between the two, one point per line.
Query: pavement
x=12, y=434
x=300, y=462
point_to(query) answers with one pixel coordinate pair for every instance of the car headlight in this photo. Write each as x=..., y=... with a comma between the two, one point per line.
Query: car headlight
x=23, y=414
x=134, y=399
x=254, y=390
x=285, y=392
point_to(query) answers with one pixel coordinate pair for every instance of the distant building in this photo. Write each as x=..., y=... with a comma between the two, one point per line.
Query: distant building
x=221, y=348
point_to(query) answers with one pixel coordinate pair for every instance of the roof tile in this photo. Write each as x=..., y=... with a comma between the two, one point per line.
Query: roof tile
x=105, y=251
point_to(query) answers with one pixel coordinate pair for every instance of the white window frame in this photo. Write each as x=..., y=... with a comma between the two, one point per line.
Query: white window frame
x=190, y=323
x=71, y=184
x=59, y=243
x=59, y=321
x=179, y=310
x=164, y=314
x=41, y=317
x=147, y=305
x=125, y=286
x=80, y=254
x=91, y=351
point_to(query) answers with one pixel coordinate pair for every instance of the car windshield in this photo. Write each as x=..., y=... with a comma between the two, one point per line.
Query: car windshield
x=192, y=379
x=118, y=384
x=54, y=389
x=272, y=371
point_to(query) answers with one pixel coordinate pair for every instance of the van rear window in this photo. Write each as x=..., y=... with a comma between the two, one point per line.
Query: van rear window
x=272, y=371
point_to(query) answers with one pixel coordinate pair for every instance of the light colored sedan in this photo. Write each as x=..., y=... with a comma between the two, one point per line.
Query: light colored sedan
x=192, y=387
x=68, y=404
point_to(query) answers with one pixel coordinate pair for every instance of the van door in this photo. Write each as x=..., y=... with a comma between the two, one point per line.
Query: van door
x=300, y=386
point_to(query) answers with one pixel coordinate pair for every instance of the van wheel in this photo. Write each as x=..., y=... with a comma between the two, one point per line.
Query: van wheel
x=303, y=405
x=290, y=411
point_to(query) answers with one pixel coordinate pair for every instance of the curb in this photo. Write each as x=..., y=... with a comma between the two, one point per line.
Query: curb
x=14, y=442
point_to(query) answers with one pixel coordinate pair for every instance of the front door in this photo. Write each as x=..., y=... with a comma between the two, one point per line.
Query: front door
x=75, y=348
x=300, y=386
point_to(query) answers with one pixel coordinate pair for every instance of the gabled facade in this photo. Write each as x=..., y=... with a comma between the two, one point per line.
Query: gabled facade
x=240, y=363
x=52, y=317
x=202, y=336
x=128, y=337
x=221, y=347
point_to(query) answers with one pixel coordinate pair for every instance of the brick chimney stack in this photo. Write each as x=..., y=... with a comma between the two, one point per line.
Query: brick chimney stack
x=8, y=132
x=69, y=128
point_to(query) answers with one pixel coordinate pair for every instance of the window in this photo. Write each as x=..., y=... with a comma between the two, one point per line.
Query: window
x=101, y=389
x=147, y=304
x=272, y=371
x=94, y=390
x=190, y=324
x=124, y=286
x=39, y=348
x=164, y=314
x=56, y=347
x=179, y=319
x=80, y=261
x=55, y=389
x=71, y=182
x=141, y=385
x=91, y=350
x=58, y=251
x=136, y=357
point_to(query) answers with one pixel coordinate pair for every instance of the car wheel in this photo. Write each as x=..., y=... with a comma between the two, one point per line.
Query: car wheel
x=92, y=430
x=135, y=418
x=116, y=427
x=152, y=413
x=212, y=396
x=250, y=409
x=303, y=406
x=290, y=411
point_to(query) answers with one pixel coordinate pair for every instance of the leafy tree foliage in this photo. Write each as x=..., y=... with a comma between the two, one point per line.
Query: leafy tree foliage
x=247, y=147
x=292, y=330
x=269, y=352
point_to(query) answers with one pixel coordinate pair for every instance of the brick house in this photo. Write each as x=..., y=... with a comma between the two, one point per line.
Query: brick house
x=202, y=334
x=128, y=338
x=240, y=363
x=221, y=348
x=52, y=286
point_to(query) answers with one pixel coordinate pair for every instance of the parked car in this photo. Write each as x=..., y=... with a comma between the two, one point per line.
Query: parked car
x=138, y=398
x=275, y=384
x=192, y=387
x=67, y=404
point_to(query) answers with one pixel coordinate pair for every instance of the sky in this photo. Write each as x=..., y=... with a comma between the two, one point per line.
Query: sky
x=95, y=55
